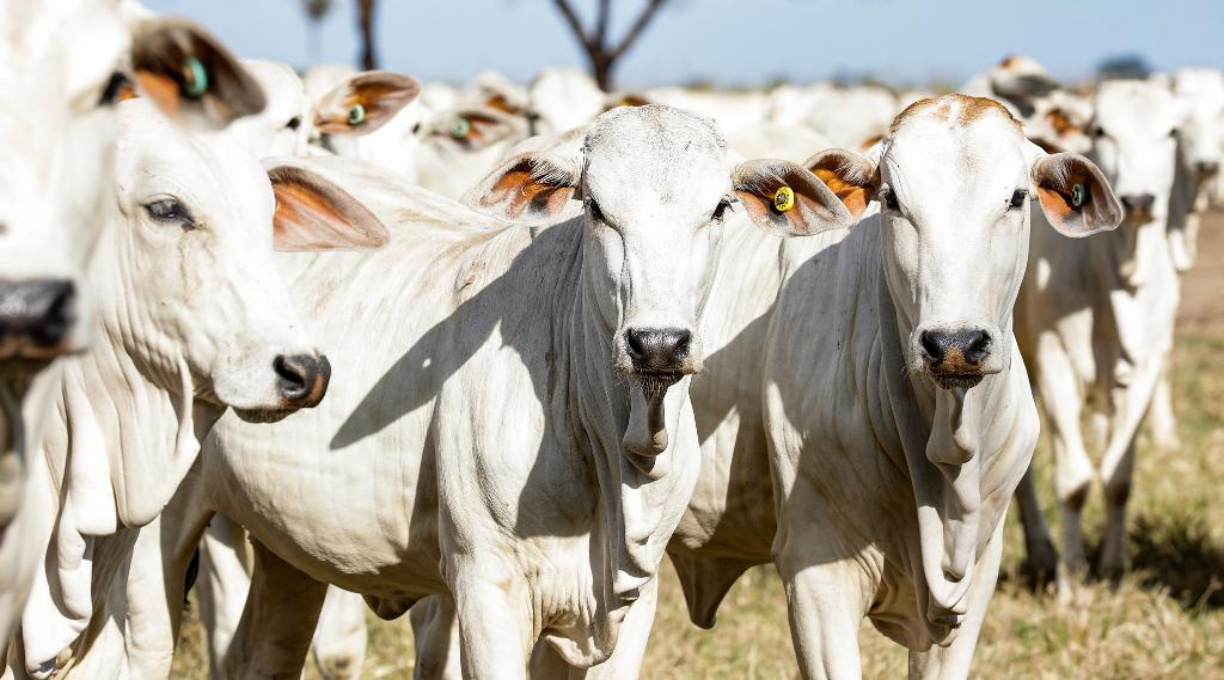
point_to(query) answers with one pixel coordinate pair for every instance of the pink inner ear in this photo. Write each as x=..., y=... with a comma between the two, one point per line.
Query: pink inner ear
x=310, y=217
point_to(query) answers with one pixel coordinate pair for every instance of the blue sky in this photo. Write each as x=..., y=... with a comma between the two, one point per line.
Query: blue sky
x=742, y=42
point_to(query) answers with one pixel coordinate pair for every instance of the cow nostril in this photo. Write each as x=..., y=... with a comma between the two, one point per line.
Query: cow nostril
x=978, y=347
x=293, y=376
x=683, y=342
x=1207, y=168
x=1134, y=202
x=634, y=340
x=932, y=344
x=59, y=315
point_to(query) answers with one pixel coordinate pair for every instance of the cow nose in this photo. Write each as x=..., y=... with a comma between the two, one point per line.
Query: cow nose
x=1137, y=203
x=302, y=379
x=960, y=350
x=658, y=350
x=1206, y=168
x=36, y=318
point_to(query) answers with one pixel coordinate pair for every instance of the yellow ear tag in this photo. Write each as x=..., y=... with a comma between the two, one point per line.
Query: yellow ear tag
x=784, y=199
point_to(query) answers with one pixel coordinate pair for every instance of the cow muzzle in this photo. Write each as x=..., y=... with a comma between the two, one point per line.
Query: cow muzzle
x=660, y=353
x=36, y=319
x=1138, y=208
x=957, y=357
x=301, y=379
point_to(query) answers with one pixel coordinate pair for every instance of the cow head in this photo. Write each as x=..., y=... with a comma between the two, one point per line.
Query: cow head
x=195, y=294
x=65, y=63
x=1199, y=141
x=954, y=184
x=1134, y=141
x=654, y=185
x=284, y=126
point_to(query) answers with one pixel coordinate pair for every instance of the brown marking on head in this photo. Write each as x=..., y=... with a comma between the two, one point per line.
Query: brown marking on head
x=1009, y=61
x=966, y=109
x=498, y=102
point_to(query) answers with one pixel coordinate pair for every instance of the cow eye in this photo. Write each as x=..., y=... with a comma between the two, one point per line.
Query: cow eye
x=721, y=211
x=416, y=129
x=889, y=198
x=1173, y=132
x=294, y=123
x=1017, y=199
x=1098, y=131
x=170, y=211
x=117, y=84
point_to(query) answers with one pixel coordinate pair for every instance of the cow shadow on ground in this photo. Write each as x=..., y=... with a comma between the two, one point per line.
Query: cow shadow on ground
x=1172, y=553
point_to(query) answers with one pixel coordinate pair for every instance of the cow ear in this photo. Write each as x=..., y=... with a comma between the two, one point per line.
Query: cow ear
x=476, y=129
x=1074, y=195
x=786, y=199
x=314, y=214
x=365, y=102
x=190, y=75
x=531, y=188
x=850, y=176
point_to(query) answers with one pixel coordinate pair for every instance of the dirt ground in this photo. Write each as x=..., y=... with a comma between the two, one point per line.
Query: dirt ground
x=1166, y=620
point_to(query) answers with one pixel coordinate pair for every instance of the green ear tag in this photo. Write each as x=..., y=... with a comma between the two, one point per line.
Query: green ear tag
x=460, y=128
x=784, y=199
x=1079, y=195
x=195, y=77
x=357, y=115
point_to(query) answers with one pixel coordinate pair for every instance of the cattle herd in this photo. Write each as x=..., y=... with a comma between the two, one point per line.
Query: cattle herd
x=315, y=343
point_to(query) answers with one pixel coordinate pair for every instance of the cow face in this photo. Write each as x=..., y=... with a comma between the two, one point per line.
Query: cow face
x=284, y=125
x=954, y=182
x=193, y=293
x=1134, y=141
x=655, y=186
x=1199, y=139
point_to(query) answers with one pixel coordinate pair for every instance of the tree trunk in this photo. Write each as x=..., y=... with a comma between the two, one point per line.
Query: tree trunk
x=365, y=19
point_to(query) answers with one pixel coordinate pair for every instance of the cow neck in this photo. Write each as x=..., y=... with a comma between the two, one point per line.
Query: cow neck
x=121, y=444
x=952, y=440
x=641, y=503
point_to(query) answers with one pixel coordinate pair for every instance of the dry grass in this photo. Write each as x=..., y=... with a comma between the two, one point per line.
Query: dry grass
x=1166, y=620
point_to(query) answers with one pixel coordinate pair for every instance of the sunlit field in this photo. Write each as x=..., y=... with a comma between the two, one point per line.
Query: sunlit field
x=1166, y=620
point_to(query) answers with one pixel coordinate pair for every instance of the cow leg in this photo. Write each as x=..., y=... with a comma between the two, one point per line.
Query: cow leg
x=1161, y=419
x=1118, y=465
x=953, y=662
x=282, y=609
x=1062, y=403
x=495, y=621
x=222, y=586
x=825, y=605
x=435, y=635
x=1042, y=557
x=339, y=645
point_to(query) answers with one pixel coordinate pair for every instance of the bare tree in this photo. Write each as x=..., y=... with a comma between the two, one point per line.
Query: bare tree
x=365, y=24
x=602, y=53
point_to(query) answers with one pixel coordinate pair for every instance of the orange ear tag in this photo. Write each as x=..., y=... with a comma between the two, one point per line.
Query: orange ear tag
x=784, y=199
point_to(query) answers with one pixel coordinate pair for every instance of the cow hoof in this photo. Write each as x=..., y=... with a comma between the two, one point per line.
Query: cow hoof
x=1041, y=562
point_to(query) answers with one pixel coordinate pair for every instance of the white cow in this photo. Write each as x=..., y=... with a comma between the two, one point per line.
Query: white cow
x=1096, y=325
x=70, y=61
x=193, y=319
x=1016, y=82
x=868, y=383
x=512, y=425
x=565, y=98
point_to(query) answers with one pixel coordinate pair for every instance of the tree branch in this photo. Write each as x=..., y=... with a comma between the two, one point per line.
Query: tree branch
x=576, y=26
x=601, y=30
x=636, y=31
